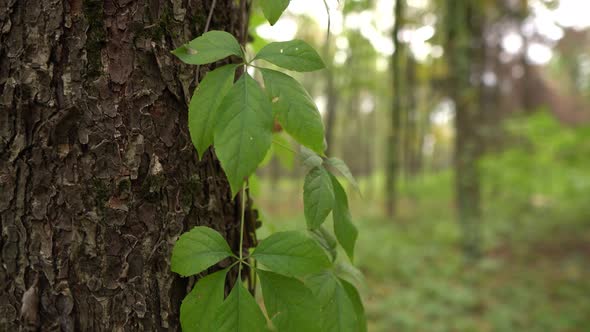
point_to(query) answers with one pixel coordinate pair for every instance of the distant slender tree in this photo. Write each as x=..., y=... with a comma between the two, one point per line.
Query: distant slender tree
x=393, y=148
x=331, y=104
x=330, y=92
x=411, y=148
x=464, y=55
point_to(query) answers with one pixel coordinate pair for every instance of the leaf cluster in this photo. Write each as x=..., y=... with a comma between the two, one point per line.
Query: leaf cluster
x=297, y=270
x=297, y=278
x=238, y=118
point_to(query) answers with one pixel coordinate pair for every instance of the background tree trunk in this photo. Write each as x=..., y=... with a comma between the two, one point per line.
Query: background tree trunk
x=331, y=97
x=393, y=149
x=98, y=177
x=465, y=54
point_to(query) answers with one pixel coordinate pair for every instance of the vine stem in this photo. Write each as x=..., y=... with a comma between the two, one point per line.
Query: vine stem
x=209, y=17
x=249, y=64
x=242, y=231
x=329, y=21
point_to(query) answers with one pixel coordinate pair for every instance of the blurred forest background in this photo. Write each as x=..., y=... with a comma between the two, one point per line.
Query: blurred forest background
x=467, y=125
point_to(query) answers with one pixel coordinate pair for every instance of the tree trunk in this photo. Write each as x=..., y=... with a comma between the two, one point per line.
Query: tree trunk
x=411, y=137
x=465, y=58
x=394, y=142
x=98, y=177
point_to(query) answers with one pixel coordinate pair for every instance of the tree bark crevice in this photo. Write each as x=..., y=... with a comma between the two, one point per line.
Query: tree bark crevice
x=98, y=176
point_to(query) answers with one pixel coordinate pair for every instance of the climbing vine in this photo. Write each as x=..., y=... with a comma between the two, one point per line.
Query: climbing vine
x=304, y=286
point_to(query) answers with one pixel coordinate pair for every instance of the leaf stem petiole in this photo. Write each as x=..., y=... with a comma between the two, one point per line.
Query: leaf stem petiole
x=242, y=231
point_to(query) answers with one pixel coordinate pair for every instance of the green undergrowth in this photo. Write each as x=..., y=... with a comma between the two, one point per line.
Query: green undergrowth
x=535, y=271
x=533, y=277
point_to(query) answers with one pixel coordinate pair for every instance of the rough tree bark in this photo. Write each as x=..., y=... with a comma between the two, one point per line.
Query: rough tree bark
x=98, y=177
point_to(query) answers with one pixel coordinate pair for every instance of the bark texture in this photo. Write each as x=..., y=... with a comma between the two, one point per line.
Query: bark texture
x=98, y=177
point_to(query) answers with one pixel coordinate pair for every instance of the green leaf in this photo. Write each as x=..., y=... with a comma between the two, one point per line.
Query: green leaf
x=295, y=109
x=318, y=197
x=344, y=229
x=291, y=253
x=240, y=313
x=357, y=303
x=210, y=47
x=338, y=311
x=254, y=186
x=290, y=305
x=273, y=9
x=205, y=102
x=341, y=167
x=294, y=55
x=243, y=130
x=346, y=271
x=310, y=158
x=197, y=250
x=283, y=150
x=326, y=241
x=197, y=311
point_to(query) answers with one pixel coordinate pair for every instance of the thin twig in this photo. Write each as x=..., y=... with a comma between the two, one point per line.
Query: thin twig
x=209, y=17
x=329, y=21
x=242, y=232
x=244, y=26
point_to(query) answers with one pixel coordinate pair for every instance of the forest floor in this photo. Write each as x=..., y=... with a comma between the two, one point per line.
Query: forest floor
x=534, y=274
x=426, y=285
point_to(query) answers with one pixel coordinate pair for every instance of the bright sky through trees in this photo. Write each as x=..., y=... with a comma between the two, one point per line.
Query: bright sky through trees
x=376, y=25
